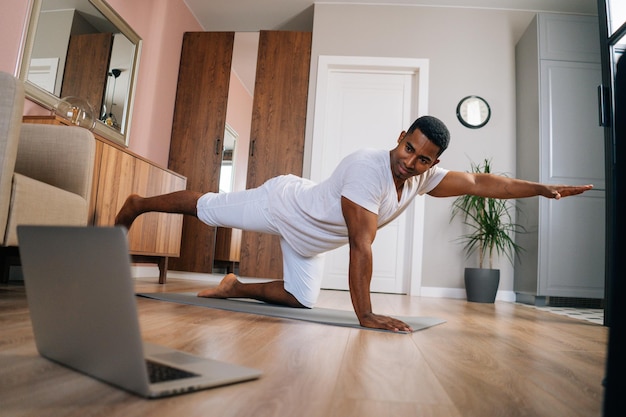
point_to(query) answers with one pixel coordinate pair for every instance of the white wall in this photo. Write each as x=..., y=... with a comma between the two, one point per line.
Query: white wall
x=53, y=37
x=470, y=52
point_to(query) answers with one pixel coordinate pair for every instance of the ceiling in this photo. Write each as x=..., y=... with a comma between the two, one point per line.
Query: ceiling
x=254, y=15
x=86, y=10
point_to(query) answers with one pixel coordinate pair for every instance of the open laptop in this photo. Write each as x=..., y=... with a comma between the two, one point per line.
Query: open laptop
x=84, y=314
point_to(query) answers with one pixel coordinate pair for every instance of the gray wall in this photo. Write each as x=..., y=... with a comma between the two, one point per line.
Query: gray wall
x=471, y=51
x=53, y=35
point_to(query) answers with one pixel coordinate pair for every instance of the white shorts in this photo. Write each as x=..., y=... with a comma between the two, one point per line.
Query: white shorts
x=249, y=210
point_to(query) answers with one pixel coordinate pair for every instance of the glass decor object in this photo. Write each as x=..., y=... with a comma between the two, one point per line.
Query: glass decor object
x=77, y=111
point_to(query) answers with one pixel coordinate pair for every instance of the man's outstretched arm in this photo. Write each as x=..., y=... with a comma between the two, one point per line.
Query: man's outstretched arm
x=457, y=183
x=362, y=226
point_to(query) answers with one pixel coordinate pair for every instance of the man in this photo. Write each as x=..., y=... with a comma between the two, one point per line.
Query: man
x=367, y=190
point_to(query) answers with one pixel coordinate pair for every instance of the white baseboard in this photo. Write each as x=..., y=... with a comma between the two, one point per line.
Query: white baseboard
x=152, y=271
x=441, y=292
x=459, y=293
x=144, y=271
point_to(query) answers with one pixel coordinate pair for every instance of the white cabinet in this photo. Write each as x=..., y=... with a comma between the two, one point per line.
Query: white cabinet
x=559, y=141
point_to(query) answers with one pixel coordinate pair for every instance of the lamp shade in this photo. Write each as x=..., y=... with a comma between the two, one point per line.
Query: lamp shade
x=77, y=111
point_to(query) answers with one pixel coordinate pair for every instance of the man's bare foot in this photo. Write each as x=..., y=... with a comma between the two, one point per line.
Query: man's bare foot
x=128, y=213
x=225, y=289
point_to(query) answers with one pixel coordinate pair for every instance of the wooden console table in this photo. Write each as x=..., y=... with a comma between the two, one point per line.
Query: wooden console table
x=118, y=173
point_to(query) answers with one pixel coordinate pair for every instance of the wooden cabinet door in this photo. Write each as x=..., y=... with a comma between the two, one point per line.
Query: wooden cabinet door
x=277, y=133
x=120, y=174
x=197, y=134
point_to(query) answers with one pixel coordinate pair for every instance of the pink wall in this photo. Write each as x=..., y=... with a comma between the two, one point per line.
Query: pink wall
x=12, y=25
x=161, y=24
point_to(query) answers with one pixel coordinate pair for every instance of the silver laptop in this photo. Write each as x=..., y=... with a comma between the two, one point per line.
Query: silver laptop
x=83, y=309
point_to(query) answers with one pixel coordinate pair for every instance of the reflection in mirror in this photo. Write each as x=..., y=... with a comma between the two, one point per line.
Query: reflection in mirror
x=618, y=50
x=240, y=100
x=227, y=170
x=617, y=15
x=234, y=166
x=82, y=48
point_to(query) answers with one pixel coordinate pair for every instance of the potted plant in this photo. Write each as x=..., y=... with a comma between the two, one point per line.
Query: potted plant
x=490, y=233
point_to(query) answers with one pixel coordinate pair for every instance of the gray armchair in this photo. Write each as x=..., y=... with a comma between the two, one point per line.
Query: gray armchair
x=46, y=172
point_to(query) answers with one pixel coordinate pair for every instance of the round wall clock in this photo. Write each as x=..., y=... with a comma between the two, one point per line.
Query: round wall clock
x=473, y=112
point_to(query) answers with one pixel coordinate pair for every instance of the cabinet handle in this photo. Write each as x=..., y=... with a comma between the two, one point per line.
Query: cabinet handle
x=218, y=149
x=252, y=143
x=603, y=117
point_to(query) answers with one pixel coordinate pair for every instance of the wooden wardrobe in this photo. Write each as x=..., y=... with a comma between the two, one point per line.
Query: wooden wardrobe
x=276, y=141
x=86, y=68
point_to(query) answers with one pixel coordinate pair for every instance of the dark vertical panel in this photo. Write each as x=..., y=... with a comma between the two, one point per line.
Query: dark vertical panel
x=199, y=123
x=614, y=118
x=616, y=365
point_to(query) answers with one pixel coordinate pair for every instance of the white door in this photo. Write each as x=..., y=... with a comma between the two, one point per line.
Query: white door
x=360, y=103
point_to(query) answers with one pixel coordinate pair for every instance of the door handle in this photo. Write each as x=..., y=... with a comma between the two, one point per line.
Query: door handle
x=603, y=116
x=218, y=148
x=252, y=143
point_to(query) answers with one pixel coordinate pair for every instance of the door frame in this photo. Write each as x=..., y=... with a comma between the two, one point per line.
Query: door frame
x=419, y=69
x=608, y=41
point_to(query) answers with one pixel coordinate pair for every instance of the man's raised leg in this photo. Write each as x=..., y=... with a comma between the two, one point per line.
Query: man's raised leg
x=269, y=292
x=179, y=202
x=185, y=202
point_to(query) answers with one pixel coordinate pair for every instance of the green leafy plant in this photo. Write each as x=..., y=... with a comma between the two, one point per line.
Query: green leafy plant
x=490, y=223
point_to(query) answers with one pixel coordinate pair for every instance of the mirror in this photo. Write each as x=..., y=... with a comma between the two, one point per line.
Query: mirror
x=617, y=15
x=234, y=164
x=227, y=170
x=240, y=101
x=473, y=112
x=82, y=48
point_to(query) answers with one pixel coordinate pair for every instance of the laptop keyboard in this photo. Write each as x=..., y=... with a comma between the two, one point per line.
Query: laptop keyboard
x=158, y=372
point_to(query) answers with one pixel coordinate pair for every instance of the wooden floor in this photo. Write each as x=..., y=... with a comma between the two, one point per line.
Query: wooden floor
x=497, y=359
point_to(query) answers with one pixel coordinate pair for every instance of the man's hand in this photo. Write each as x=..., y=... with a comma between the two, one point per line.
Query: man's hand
x=376, y=321
x=558, y=191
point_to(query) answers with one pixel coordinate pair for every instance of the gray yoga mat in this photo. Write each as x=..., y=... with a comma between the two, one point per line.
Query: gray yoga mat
x=316, y=315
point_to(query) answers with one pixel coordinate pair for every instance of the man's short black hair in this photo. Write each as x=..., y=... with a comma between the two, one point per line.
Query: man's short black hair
x=434, y=129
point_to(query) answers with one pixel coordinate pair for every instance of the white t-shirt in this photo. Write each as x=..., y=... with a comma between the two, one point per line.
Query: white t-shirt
x=309, y=215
